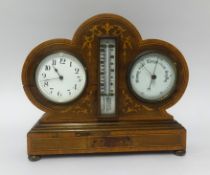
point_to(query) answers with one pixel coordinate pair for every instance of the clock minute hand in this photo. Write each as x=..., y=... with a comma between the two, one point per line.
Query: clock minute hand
x=50, y=79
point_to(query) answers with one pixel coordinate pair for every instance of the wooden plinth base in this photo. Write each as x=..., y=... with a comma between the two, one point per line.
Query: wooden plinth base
x=105, y=137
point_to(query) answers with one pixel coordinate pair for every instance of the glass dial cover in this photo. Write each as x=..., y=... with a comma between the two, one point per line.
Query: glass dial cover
x=153, y=76
x=60, y=77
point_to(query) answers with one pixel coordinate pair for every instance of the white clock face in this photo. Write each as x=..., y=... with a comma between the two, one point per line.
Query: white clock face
x=60, y=77
x=153, y=77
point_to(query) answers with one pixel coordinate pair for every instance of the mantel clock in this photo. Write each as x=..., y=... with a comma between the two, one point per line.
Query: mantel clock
x=105, y=91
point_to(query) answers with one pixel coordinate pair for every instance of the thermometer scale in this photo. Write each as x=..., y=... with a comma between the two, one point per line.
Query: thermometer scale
x=107, y=76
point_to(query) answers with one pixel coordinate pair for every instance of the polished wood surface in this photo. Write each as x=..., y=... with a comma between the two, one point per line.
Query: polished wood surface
x=104, y=137
x=136, y=126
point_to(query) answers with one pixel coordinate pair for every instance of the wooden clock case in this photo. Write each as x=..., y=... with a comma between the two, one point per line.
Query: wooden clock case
x=78, y=127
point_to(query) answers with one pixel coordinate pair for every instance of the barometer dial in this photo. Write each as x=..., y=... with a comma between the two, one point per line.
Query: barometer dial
x=153, y=76
x=60, y=77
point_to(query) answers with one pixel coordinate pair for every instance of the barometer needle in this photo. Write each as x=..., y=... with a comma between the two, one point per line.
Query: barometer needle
x=155, y=67
x=153, y=76
x=150, y=84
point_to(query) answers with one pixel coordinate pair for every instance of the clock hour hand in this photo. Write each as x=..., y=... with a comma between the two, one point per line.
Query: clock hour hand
x=59, y=75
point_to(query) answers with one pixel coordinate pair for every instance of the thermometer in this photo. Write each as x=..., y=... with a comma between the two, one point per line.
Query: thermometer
x=107, y=76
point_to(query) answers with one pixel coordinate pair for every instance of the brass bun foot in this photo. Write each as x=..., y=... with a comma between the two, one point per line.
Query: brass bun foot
x=34, y=158
x=180, y=152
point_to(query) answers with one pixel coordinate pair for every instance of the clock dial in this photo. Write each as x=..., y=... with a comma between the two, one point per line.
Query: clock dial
x=60, y=77
x=153, y=77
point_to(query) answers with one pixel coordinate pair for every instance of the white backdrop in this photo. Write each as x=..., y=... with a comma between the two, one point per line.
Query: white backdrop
x=26, y=23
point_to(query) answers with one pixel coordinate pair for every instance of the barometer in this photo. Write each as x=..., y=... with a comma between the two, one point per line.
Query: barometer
x=153, y=77
x=105, y=91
